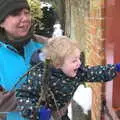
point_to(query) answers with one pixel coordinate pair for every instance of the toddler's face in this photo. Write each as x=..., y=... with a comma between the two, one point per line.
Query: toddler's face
x=71, y=64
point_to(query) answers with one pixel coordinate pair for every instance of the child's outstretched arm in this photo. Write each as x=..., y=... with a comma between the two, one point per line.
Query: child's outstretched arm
x=98, y=73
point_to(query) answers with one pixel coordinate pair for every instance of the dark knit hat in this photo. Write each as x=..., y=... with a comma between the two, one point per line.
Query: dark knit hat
x=8, y=6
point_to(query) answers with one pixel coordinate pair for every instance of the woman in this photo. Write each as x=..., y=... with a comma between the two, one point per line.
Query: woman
x=17, y=43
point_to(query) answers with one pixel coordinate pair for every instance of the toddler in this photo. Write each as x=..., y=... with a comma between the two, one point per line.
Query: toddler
x=65, y=75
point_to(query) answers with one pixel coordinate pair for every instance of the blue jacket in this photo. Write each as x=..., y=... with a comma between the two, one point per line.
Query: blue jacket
x=13, y=66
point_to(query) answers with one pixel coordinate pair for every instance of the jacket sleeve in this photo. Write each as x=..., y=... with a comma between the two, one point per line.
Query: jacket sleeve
x=97, y=73
x=28, y=95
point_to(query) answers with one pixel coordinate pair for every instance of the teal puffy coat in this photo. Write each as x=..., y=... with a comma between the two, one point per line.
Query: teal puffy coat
x=13, y=66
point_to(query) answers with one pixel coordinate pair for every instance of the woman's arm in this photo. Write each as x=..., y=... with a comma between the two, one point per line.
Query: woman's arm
x=7, y=98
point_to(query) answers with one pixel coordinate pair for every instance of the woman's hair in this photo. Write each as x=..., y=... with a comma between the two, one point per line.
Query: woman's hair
x=58, y=48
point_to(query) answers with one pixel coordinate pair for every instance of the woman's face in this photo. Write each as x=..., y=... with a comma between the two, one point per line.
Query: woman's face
x=18, y=23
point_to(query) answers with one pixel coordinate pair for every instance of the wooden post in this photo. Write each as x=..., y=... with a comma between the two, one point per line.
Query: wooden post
x=83, y=22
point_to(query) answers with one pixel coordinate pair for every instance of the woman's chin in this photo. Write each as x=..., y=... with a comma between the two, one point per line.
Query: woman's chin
x=21, y=35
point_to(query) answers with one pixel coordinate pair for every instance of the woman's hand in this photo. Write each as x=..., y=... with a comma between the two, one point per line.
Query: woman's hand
x=40, y=39
x=7, y=101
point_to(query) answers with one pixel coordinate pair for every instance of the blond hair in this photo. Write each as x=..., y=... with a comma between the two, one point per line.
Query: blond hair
x=58, y=48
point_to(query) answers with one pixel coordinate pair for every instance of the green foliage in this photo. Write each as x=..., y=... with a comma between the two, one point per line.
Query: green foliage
x=47, y=21
x=35, y=10
x=43, y=18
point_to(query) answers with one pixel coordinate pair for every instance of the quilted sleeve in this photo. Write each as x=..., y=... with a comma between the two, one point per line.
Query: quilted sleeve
x=97, y=73
x=28, y=95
